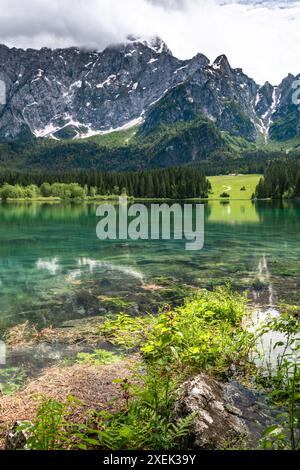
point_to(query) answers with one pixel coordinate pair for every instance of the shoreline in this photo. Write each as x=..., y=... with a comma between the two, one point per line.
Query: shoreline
x=58, y=200
x=137, y=343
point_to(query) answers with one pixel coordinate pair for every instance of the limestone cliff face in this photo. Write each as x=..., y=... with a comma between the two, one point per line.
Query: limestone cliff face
x=88, y=90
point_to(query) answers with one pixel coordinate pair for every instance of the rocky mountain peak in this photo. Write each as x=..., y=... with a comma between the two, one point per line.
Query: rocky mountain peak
x=221, y=63
x=201, y=60
x=264, y=99
x=153, y=42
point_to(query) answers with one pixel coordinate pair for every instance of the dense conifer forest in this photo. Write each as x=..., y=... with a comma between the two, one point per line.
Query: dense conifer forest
x=180, y=182
x=281, y=180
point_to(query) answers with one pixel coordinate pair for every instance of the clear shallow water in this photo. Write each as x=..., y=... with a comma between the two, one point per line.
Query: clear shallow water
x=52, y=263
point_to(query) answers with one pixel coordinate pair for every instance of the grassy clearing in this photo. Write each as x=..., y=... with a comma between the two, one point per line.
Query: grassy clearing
x=232, y=185
x=113, y=139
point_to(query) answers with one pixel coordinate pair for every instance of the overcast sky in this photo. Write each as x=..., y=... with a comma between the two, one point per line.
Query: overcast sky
x=261, y=36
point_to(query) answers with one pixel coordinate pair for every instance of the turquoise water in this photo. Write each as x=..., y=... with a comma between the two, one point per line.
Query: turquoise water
x=53, y=267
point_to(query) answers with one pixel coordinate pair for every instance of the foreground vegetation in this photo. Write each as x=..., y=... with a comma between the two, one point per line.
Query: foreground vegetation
x=203, y=335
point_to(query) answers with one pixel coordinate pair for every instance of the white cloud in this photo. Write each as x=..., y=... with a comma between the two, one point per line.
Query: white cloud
x=259, y=35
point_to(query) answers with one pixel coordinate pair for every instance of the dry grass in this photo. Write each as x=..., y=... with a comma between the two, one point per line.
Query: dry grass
x=20, y=335
x=79, y=331
x=92, y=385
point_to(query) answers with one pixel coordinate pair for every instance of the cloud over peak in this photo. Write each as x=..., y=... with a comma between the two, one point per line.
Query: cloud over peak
x=262, y=36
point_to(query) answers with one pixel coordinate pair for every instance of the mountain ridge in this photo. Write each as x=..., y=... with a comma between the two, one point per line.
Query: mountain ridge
x=24, y=82
x=73, y=94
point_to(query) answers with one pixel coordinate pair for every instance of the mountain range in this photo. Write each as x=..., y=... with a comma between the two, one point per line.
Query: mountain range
x=135, y=105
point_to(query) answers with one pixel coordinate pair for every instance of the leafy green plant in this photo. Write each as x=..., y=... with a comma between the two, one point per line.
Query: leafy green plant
x=141, y=429
x=273, y=438
x=50, y=429
x=126, y=331
x=205, y=333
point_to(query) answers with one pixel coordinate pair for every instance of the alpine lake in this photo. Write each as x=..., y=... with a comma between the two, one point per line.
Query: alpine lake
x=54, y=271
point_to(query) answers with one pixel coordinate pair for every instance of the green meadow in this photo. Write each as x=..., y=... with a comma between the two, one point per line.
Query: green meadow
x=236, y=186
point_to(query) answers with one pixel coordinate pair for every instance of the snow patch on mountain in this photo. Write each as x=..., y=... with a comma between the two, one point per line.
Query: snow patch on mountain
x=128, y=125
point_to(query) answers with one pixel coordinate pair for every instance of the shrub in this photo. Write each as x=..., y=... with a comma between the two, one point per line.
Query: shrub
x=10, y=192
x=46, y=190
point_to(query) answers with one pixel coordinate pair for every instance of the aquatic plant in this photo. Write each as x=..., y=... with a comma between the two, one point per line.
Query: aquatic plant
x=12, y=379
x=97, y=357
